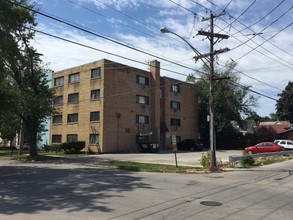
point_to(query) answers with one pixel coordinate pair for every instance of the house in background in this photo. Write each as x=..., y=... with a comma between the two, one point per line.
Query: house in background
x=112, y=107
x=280, y=129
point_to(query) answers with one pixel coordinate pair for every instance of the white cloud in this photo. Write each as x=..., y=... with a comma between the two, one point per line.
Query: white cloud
x=63, y=55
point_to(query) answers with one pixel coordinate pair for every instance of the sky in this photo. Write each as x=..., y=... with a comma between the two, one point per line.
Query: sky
x=75, y=32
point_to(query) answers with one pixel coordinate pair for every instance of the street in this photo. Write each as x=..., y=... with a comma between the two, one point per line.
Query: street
x=66, y=190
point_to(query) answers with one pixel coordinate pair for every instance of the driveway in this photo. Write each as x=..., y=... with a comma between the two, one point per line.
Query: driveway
x=184, y=158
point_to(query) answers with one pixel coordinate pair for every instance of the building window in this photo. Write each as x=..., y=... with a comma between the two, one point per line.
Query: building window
x=142, y=119
x=57, y=119
x=56, y=138
x=95, y=116
x=59, y=81
x=140, y=99
x=71, y=138
x=142, y=80
x=96, y=73
x=58, y=100
x=175, y=105
x=175, y=88
x=95, y=94
x=94, y=138
x=73, y=98
x=73, y=78
x=72, y=118
x=175, y=122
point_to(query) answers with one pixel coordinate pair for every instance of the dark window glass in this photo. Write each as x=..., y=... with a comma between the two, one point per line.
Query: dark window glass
x=73, y=78
x=175, y=122
x=95, y=116
x=73, y=98
x=71, y=118
x=96, y=73
x=72, y=138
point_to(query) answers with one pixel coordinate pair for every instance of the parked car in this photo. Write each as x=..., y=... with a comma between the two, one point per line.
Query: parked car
x=287, y=144
x=191, y=145
x=26, y=146
x=263, y=147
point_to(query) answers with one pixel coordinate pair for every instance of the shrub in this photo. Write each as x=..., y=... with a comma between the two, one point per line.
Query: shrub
x=205, y=160
x=248, y=161
x=73, y=147
x=52, y=148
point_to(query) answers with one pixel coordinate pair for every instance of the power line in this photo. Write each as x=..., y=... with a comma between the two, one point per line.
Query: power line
x=261, y=19
x=110, y=18
x=251, y=90
x=249, y=39
x=103, y=37
x=265, y=42
x=103, y=51
x=241, y=72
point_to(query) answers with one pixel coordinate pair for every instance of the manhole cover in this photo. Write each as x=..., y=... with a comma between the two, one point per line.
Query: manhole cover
x=210, y=203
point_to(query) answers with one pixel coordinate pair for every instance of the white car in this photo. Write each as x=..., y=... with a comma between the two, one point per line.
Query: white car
x=287, y=144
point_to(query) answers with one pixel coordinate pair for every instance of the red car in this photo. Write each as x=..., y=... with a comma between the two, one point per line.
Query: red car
x=263, y=148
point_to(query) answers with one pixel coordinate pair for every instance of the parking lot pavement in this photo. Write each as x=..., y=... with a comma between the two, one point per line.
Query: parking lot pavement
x=184, y=158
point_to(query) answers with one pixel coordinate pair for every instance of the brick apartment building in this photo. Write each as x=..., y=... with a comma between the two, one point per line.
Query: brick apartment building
x=112, y=106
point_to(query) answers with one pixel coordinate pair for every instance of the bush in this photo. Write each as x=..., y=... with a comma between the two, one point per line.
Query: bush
x=73, y=147
x=52, y=148
x=248, y=161
x=205, y=160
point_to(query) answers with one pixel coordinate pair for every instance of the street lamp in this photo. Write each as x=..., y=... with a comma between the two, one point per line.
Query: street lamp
x=165, y=30
x=211, y=102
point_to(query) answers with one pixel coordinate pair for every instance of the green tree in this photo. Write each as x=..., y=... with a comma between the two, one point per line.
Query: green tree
x=231, y=101
x=284, y=104
x=25, y=93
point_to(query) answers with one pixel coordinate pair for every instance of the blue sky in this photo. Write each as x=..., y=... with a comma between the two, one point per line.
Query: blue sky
x=260, y=37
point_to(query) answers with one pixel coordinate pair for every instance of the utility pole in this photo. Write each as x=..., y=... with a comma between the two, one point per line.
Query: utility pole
x=211, y=36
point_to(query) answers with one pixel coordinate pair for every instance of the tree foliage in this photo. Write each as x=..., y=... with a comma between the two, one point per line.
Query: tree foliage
x=24, y=90
x=232, y=101
x=284, y=104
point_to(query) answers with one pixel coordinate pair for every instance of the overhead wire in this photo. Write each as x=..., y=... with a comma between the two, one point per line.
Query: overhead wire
x=261, y=19
x=238, y=17
x=110, y=18
x=250, y=39
x=103, y=51
x=98, y=35
x=124, y=14
x=265, y=42
x=249, y=27
x=103, y=37
x=227, y=5
x=251, y=90
x=258, y=45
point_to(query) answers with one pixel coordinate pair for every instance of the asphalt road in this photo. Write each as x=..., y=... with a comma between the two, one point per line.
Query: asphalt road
x=70, y=190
